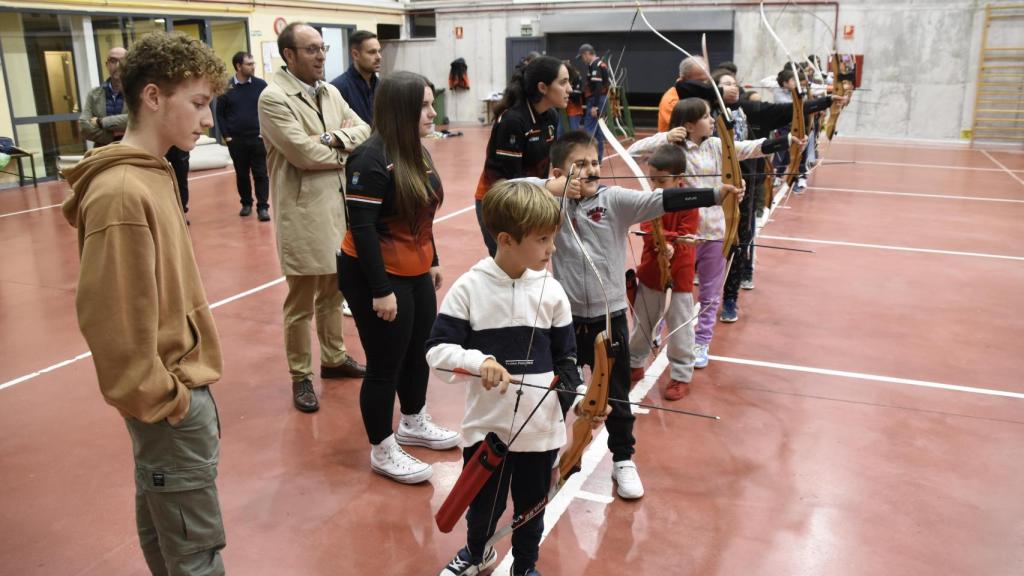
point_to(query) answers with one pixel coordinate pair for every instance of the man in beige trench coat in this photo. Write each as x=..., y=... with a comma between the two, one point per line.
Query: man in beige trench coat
x=309, y=130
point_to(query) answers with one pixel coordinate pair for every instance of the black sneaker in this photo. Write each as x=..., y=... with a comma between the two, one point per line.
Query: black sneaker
x=263, y=215
x=463, y=563
x=729, y=311
x=245, y=211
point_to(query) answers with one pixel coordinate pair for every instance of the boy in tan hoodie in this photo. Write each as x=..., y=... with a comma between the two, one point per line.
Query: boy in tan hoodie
x=141, y=304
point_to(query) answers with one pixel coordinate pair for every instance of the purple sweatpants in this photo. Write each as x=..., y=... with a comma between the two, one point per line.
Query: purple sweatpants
x=711, y=272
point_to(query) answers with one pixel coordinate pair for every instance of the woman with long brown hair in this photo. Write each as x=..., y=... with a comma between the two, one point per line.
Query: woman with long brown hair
x=388, y=271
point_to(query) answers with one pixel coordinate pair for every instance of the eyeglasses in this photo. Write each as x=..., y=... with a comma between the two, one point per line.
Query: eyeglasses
x=114, y=60
x=313, y=49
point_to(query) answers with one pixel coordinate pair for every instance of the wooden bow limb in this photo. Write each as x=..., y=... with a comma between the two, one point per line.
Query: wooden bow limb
x=798, y=131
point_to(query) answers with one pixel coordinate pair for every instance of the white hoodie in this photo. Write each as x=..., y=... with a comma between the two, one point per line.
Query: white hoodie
x=487, y=314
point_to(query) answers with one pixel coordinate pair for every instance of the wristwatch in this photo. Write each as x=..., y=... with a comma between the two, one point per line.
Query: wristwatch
x=327, y=139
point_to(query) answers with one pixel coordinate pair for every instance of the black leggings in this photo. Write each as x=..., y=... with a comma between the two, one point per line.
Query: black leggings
x=743, y=253
x=395, y=356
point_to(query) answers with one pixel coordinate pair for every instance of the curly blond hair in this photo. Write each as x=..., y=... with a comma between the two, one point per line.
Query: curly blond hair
x=167, y=60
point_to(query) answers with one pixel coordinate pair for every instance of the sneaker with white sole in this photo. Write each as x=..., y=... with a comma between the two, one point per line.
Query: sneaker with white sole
x=420, y=430
x=388, y=459
x=627, y=480
x=700, y=356
x=345, y=309
x=463, y=563
x=747, y=284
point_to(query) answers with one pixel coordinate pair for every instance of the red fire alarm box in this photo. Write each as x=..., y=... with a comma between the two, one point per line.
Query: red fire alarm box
x=848, y=30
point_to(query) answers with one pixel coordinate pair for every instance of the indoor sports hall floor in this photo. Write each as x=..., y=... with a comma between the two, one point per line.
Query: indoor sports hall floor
x=871, y=399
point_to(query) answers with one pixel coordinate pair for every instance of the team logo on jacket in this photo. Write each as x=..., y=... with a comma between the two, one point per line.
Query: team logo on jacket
x=596, y=214
x=355, y=179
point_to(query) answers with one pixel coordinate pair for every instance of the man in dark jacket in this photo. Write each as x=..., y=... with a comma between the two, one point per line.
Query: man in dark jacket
x=239, y=120
x=359, y=83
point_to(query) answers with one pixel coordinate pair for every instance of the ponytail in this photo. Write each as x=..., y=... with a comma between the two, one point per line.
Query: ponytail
x=522, y=87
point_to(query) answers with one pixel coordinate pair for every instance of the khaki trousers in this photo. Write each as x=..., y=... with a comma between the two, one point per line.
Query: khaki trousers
x=308, y=295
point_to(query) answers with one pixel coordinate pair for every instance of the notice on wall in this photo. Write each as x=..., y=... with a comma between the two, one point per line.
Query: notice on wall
x=271, y=58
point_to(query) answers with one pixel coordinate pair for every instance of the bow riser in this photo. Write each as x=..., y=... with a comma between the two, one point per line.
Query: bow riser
x=593, y=405
x=798, y=130
x=664, y=264
x=838, y=90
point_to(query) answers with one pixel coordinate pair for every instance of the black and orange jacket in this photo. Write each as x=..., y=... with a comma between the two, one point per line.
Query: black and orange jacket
x=384, y=241
x=518, y=146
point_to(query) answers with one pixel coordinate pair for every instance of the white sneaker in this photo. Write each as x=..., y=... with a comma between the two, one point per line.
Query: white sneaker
x=419, y=430
x=388, y=459
x=345, y=309
x=627, y=480
x=700, y=355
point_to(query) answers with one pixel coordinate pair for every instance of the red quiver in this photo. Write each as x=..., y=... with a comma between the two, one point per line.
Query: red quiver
x=487, y=458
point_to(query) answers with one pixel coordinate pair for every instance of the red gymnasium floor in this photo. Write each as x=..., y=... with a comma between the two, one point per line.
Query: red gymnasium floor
x=871, y=396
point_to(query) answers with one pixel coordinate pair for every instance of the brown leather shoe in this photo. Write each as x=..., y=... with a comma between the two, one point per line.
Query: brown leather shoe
x=304, y=396
x=347, y=369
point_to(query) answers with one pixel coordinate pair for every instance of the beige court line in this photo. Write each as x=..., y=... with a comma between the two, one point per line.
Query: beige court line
x=918, y=194
x=1000, y=164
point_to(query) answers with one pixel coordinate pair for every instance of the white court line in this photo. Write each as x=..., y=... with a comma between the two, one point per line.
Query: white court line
x=1000, y=164
x=842, y=162
x=190, y=178
x=594, y=497
x=598, y=448
x=869, y=377
x=897, y=248
x=918, y=195
x=217, y=304
x=248, y=292
x=30, y=210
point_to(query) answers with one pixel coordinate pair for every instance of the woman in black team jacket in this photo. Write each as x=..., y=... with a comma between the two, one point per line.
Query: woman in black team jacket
x=527, y=123
x=388, y=271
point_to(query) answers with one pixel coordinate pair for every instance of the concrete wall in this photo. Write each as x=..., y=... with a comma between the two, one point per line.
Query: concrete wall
x=920, y=56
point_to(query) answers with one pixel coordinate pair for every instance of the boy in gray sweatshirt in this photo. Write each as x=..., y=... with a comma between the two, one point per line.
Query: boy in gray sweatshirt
x=602, y=215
